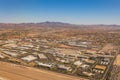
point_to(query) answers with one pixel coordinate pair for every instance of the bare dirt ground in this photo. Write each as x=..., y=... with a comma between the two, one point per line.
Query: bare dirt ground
x=17, y=72
x=2, y=78
x=117, y=60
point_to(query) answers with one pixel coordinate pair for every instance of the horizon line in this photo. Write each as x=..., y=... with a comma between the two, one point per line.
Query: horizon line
x=57, y=22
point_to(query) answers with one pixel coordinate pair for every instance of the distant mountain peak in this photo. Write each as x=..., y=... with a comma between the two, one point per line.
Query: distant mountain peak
x=55, y=23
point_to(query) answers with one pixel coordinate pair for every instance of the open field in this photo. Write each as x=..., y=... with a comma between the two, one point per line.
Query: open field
x=16, y=72
x=117, y=60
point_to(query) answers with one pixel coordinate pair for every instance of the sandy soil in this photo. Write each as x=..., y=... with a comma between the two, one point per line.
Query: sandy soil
x=117, y=60
x=18, y=72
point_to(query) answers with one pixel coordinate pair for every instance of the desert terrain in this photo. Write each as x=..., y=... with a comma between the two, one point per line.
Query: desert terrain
x=59, y=51
x=16, y=72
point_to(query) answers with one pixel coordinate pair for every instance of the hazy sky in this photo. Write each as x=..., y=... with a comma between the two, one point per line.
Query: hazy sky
x=70, y=11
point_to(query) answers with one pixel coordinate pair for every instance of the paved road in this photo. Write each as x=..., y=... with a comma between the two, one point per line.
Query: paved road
x=109, y=69
x=17, y=72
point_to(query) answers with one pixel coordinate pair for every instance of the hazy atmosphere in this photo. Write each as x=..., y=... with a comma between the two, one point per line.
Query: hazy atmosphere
x=59, y=39
x=69, y=11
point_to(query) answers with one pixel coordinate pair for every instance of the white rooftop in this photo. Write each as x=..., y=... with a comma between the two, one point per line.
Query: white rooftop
x=29, y=58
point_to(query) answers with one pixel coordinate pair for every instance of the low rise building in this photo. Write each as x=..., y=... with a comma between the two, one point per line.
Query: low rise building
x=48, y=65
x=89, y=74
x=63, y=67
x=100, y=67
x=77, y=63
x=13, y=54
x=29, y=58
x=42, y=56
x=84, y=66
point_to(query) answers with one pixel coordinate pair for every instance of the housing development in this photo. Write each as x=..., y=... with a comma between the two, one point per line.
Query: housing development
x=82, y=58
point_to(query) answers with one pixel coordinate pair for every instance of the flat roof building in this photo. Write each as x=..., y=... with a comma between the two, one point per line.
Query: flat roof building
x=29, y=58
